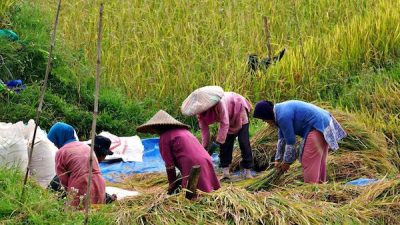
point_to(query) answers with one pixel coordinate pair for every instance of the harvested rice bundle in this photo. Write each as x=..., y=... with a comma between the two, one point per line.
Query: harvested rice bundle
x=330, y=192
x=263, y=145
x=268, y=180
x=379, y=202
x=272, y=178
x=145, y=182
x=344, y=165
x=359, y=136
x=309, y=204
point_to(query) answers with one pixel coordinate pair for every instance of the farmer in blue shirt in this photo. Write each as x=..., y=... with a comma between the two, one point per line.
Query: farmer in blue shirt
x=318, y=128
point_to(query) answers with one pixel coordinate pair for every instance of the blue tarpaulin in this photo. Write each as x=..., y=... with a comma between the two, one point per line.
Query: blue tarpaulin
x=362, y=182
x=152, y=162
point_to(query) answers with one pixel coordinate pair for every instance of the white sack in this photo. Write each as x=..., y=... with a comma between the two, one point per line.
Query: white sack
x=43, y=157
x=13, y=146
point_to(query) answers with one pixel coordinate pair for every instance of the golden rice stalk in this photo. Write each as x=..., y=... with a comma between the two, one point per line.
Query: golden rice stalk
x=263, y=145
x=360, y=138
x=309, y=204
x=351, y=165
x=266, y=181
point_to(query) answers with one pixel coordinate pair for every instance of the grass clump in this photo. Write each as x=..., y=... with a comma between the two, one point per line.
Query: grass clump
x=39, y=205
x=69, y=97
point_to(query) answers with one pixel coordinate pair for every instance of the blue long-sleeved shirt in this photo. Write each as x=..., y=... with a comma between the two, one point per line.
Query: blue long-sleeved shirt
x=299, y=118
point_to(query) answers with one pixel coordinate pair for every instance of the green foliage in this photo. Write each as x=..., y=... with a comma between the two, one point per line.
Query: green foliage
x=39, y=205
x=5, y=6
x=182, y=45
x=69, y=96
x=155, y=53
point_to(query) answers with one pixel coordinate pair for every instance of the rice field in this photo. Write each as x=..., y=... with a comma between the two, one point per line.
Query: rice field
x=336, y=51
x=165, y=49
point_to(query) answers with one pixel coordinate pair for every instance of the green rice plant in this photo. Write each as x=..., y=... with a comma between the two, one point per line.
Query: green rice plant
x=196, y=44
x=5, y=8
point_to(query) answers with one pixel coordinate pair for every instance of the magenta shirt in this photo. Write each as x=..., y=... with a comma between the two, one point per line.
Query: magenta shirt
x=180, y=148
x=72, y=167
x=230, y=112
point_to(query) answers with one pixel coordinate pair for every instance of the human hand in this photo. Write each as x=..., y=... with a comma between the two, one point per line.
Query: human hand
x=276, y=164
x=114, y=197
x=284, y=167
x=281, y=166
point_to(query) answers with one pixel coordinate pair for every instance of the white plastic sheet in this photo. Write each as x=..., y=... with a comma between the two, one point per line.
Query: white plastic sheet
x=121, y=193
x=130, y=149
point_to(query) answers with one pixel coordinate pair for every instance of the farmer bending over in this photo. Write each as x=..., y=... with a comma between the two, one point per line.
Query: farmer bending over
x=318, y=128
x=101, y=149
x=211, y=104
x=179, y=148
x=72, y=165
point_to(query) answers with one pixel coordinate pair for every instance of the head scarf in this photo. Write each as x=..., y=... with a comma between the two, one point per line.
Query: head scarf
x=264, y=110
x=61, y=134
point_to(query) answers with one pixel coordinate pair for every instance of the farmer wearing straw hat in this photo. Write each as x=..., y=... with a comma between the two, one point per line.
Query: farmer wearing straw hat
x=211, y=104
x=72, y=165
x=318, y=128
x=179, y=148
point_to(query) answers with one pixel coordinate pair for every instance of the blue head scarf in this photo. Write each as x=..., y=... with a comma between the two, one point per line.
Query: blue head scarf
x=61, y=134
x=264, y=110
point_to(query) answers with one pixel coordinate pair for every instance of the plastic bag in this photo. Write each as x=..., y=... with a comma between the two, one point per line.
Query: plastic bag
x=128, y=148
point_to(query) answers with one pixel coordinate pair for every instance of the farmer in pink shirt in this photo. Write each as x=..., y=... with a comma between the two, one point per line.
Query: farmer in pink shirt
x=180, y=149
x=231, y=112
x=72, y=165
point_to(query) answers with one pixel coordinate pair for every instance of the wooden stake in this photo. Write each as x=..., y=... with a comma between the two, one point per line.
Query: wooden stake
x=95, y=112
x=268, y=37
x=42, y=93
x=193, y=180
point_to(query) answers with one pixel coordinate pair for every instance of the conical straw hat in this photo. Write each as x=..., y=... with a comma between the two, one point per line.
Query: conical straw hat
x=161, y=118
x=201, y=100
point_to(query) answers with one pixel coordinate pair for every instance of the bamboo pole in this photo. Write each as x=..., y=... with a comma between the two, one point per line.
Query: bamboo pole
x=42, y=93
x=193, y=180
x=268, y=37
x=95, y=112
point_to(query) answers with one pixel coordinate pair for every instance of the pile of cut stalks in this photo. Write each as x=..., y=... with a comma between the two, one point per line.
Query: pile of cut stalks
x=276, y=198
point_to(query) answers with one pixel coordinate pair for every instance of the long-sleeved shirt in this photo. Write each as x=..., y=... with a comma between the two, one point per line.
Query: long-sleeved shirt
x=72, y=168
x=299, y=118
x=231, y=113
x=180, y=148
